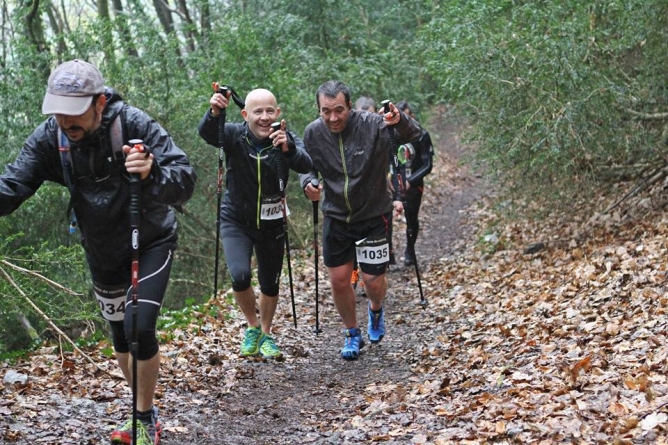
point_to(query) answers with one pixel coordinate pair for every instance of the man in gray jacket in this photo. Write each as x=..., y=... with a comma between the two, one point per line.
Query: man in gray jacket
x=351, y=150
x=84, y=147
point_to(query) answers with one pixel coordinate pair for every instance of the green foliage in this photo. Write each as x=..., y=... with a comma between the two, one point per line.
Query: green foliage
x=93, y=340
x=192, y=316
x=549, y=85
x=61, y=265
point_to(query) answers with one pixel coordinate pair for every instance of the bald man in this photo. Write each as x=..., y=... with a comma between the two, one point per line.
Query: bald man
x=251, y=212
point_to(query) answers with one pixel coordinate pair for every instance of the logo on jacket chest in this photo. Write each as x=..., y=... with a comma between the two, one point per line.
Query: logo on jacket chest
x=355, y=150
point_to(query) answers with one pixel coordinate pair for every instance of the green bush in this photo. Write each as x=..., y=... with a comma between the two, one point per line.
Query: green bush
x=554, y=89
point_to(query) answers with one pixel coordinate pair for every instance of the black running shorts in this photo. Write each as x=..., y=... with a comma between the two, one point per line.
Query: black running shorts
x=367, y=240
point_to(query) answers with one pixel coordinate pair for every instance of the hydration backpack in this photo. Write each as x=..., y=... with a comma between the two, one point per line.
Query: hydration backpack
x=116, y=132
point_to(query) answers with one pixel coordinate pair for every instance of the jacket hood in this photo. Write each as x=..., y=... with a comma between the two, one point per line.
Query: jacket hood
x=114, y=106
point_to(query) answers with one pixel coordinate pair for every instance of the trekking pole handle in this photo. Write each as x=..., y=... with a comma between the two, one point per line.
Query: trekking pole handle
x=221, y=128
x=386, y=107
x=222, y=89
x=275, y=126
x=138, y=144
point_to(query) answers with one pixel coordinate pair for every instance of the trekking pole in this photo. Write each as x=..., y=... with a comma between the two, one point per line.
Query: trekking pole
x=402, y=193
x=135, y=212
x=281, y=185
x=219, y=185
x=315, y=183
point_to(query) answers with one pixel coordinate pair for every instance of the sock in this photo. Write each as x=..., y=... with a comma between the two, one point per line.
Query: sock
x=145, y=416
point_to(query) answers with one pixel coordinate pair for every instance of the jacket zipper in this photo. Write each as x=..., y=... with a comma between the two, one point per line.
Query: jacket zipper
x=345, y=182
x=258, y=211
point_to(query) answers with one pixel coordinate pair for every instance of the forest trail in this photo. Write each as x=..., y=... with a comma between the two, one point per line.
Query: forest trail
x=208, y=395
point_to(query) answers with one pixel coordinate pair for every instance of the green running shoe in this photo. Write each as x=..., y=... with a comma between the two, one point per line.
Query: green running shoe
x=268, y=348
x=150, y=433
x=251, y=344
x=146, y=435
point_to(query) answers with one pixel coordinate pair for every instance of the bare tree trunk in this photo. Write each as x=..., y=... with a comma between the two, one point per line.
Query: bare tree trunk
x=164, y=15
x=4, y=32
x=58, y=27
x=106, y=35
x=34, y=31
x=167, y=22
x=33, y=26
x=123, y=29
x=103, y=9
x=205, y=20
x=191, y=30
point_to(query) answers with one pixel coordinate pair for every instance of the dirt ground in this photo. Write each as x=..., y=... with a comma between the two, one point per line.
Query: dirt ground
x=209, y=396
x=318, y=398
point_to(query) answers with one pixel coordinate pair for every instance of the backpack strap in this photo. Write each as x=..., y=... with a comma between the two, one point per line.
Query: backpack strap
x=68, y=173
x=116, y=131
x=65, y=158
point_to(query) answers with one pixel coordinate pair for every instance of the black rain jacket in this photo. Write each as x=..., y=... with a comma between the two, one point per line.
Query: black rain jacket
x=251, y=169
x=422, y=163
x=100, y=193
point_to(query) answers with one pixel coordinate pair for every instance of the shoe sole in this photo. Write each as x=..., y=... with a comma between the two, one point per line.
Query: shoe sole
x=376, y=341
x=272, y=357
x=255, y=354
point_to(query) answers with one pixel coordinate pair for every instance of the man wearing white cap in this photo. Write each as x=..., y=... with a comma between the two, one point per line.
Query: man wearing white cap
x=84, y=147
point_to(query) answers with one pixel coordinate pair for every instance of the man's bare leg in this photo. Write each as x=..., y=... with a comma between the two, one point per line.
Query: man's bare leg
x=267, y=311
x=148, y=377
x=246, y=301
x=343, y=293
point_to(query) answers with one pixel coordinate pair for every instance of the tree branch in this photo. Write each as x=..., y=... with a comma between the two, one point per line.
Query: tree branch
x=52, y=283
x=49, y=322
x=647, y=116
x=656, y=176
